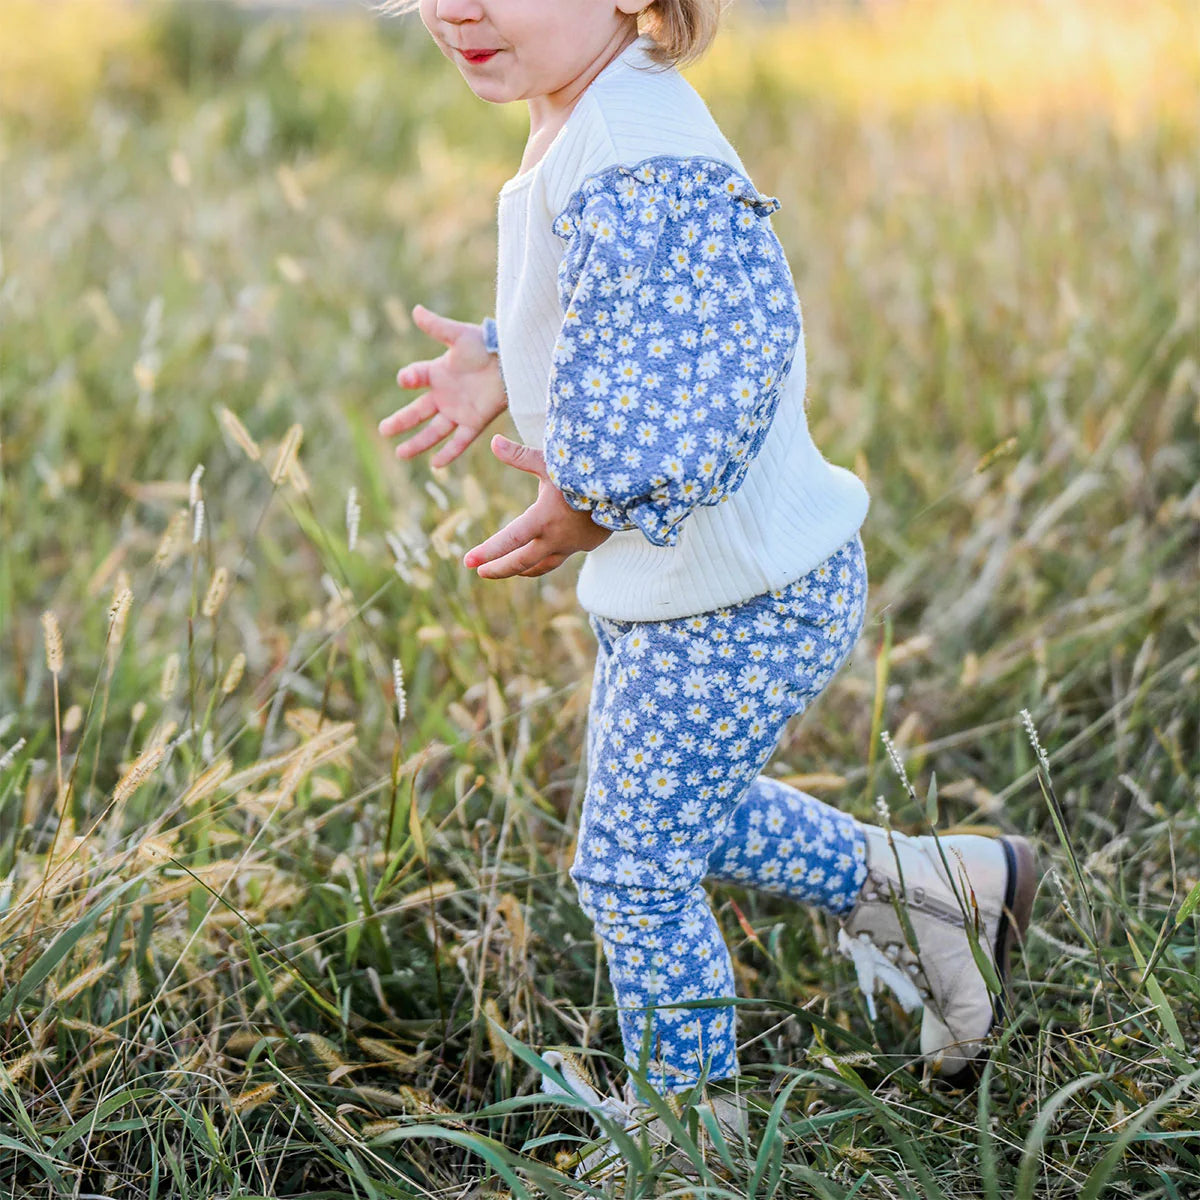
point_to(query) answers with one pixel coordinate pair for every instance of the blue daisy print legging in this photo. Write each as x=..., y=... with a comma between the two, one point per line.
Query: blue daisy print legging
x=683, y=716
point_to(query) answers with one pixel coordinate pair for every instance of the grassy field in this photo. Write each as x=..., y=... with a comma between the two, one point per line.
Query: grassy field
x=288, y=797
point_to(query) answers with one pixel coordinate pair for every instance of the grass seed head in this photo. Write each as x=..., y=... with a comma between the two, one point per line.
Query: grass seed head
x=287, y=454
x=281, y=982
x=163, y=733
x=253, y=1097
x=353, y=516
x=244, y=1041
x=297, y=476
x=373, y=1129
x=474, y=497
x=437, y=495
x=500, y=1051
x=218, y=589
x=1031, y=731
x=233, y=675
x=52, y=637
x=17, y=1070
x=398, y=685
x=171, y=539
x=324, y=788
x=194, y=485
x=155, y=850
x=336, y=1132
x=897, y=761
x=118, y=617
x=131, y=987
x=325, y=1050
x=207, y=782
x=83, y=981
x=118, y=612
x=94, y=1065
x=170, y=677
x=239, y=433
x=883, y=812
x=7, y=757
x=382, y=1098
x=386, y=1052
x=98, y=1033
x=140, y=770
x=198, y=522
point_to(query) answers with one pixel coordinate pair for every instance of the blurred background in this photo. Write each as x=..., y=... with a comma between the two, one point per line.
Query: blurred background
x=287, y=796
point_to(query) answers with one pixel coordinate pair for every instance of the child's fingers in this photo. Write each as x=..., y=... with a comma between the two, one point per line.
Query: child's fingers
x=548, y=564
x=519, y=562
x=515, y=534
x=408, y=417
x=462, y=438
x=415, y=375
x=524, y=458
x=433, y=433
x=445, y=329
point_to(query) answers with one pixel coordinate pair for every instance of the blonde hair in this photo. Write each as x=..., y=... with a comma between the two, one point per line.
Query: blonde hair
x=682, y=30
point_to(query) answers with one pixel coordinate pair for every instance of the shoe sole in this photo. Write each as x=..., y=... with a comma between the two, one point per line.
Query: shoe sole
x=1019, y=890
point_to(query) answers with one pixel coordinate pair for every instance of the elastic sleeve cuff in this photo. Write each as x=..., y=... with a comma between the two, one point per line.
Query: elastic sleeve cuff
x=659, y=526
x=491, y=336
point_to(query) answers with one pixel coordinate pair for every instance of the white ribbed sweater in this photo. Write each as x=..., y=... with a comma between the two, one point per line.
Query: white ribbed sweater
x=793, y=508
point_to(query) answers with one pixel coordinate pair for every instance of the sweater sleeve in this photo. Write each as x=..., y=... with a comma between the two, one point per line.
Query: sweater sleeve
x=680, y=323
x=491, y=342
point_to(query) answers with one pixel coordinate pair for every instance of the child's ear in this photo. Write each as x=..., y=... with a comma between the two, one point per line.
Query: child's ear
x=633, y=8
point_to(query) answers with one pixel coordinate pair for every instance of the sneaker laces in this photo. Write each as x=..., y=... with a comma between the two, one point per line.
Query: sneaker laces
x=872, y=967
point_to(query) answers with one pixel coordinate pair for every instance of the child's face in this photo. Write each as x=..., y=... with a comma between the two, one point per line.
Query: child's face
x=540, y=46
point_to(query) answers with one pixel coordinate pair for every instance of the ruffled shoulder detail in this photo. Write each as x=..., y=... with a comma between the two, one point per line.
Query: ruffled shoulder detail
x=666, y=185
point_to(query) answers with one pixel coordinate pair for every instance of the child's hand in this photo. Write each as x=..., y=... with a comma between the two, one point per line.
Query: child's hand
x=465, y=391
x=547, y=533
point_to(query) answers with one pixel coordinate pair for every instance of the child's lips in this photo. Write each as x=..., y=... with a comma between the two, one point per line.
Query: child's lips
x=477, y=56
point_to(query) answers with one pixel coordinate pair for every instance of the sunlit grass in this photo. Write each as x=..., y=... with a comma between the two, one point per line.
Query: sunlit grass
x=53, y=56
x=1131, y=63
x=265, y=930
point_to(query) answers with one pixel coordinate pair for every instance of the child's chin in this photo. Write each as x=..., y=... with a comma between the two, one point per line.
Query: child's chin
x=493, y=93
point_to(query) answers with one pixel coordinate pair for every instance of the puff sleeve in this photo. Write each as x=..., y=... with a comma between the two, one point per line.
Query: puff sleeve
x=680, y=323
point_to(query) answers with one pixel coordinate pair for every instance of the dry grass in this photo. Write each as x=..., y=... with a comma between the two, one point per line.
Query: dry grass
x=285, y=815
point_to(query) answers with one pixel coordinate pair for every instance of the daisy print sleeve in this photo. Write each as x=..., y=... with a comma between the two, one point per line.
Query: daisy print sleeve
x=680, y=323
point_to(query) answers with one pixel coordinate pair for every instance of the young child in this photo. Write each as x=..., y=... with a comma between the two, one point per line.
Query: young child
x=653, y=362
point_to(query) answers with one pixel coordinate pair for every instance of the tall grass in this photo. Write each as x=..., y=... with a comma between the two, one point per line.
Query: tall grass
x=287, y=804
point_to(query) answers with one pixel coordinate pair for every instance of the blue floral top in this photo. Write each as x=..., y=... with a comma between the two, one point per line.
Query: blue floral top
x=680, y=325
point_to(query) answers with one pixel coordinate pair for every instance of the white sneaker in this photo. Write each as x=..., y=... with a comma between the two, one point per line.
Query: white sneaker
x=990, y=882
x=635, y=1116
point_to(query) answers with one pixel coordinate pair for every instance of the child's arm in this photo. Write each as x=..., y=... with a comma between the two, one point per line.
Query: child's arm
x=466, y=391
x=680, y=325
